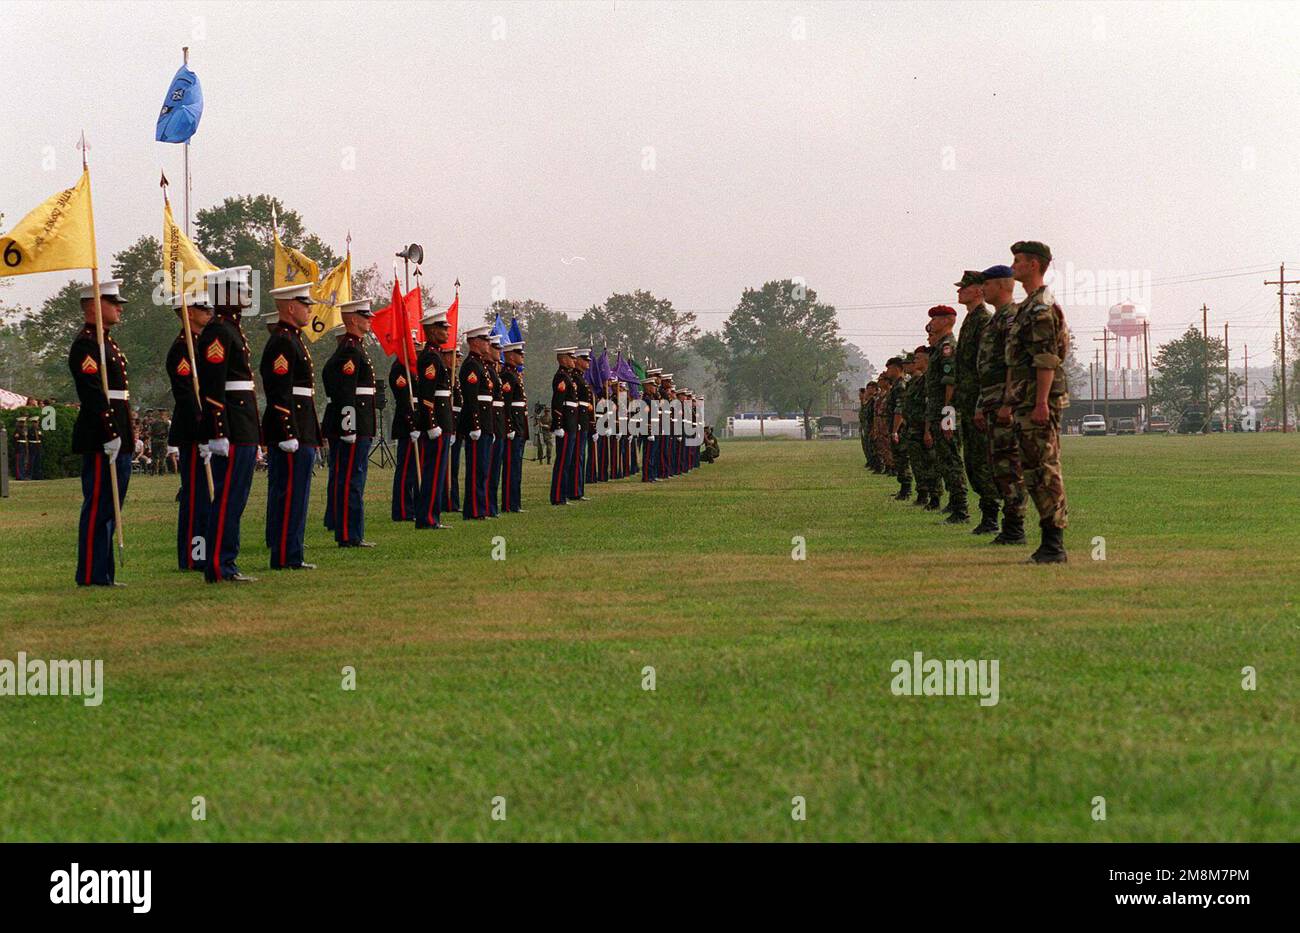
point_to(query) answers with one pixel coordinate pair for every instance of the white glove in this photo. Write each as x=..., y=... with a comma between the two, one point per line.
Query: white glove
x=290, y=446
x=475, y=435
x=112, y=447
x=348, y=438
x=435, y=432
x=558, y=432
x=220, y=446
x=205, y=452
x=415, y=435
x=451, y=438
x=510, y=435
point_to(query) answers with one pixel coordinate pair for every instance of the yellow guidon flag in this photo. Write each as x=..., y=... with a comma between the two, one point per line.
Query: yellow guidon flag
x=59, y=234
x=333, y=290
x=185, y=266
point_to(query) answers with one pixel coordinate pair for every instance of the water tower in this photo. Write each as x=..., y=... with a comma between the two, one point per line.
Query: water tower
x=1127, y=322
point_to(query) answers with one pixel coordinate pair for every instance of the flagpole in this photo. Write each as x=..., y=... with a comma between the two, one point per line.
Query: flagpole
x=103, y=359
x=185, y=60
x=410, y=376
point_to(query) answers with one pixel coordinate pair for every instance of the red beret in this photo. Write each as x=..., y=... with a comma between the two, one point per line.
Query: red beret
x=942, y=311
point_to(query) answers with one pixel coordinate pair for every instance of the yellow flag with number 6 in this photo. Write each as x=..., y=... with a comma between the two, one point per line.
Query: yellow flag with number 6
x=56, y=235
x=333, y=290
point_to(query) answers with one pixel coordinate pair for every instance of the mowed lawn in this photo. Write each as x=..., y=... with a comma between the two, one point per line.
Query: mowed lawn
x=522, y=679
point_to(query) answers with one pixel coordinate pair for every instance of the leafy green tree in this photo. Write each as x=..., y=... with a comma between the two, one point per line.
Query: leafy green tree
x=1180, y=370
x=781, y=348
x=648, y=328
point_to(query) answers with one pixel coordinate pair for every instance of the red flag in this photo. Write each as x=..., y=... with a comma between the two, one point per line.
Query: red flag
x=391, y=327
x=453, y=313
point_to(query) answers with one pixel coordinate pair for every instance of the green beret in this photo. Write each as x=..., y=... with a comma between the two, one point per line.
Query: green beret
x=970, y=277
x=1032, y=248
x=894, y=361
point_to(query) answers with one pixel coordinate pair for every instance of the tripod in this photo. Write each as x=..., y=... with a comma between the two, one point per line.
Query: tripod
x=381, y=448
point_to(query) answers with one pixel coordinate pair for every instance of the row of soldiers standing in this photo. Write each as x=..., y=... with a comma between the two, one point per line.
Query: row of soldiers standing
x=29, y=447
x=477, y=413
x=984, y=406
x=592, y=449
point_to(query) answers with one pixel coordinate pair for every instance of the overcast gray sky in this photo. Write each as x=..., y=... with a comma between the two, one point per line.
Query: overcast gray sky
x=694, y=149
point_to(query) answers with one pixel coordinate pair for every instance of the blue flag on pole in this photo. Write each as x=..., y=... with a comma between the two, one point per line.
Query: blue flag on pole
x=182, y=108
x=516, y=335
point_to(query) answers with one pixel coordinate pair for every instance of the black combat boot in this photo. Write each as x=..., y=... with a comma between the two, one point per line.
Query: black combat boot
x=988, y=519
x=1052, y=550
x=933, y=505
x=904, y=492
x=958, y=515
x=922, y=497
x=1013, y=529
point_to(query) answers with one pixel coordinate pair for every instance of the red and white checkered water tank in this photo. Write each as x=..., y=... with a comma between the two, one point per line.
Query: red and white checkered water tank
x=1126, y=319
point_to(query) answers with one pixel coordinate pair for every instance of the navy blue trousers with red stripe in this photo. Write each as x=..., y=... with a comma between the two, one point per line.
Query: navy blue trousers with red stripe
x=288, y=489
x=404, y=487
x=349, y=467
x=232, y=478
x=474, y=497
x=192, y=518
x=435, y=463
x=495, y=466
x=453, y=485
x=562, y=471
x=512, y=472
x=95, y=531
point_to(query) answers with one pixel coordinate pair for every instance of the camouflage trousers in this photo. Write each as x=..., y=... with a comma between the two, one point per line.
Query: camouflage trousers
x=979, y=470
x=922, y=463
x=1040, y=457
x=902, y=463
x=947, y=462
x=866, y=441
x=883, y=448
x=1004, y=463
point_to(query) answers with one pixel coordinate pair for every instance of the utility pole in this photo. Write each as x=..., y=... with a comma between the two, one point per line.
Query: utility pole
x=1205, y=354
x=1246, y=365
x=1092, y=388
x=1227, y=383
x=1146, y=370
x=1281, y=284
x=1105, y=374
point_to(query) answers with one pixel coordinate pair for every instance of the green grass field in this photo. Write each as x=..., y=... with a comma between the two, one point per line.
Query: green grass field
x=523, y=679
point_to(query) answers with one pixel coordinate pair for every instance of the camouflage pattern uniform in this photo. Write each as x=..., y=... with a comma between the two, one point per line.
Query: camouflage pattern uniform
x=974, y=442
x=880, y=427
x=893, y=405
x=947, y=455
x=864, y=429
x=1004, y=449
x=913, y=433
x=1037, y=339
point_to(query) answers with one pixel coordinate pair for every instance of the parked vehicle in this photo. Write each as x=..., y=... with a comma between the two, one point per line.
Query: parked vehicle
x=830, y=427
x=1192, y=420
x=1126, y=426
x=1092, y=424
x=1157, y=427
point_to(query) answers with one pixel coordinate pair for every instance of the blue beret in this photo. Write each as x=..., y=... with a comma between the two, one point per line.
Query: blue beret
x=998, y=272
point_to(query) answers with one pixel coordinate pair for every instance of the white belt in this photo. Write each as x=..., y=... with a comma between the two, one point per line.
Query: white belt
x=120, y=395
x=365, y=390
x=455, y=408
x=304, y=390
x=496, y=404
x=572, y=404
x=484, y=398
x=242, y=385
x=442, y=393
x=519, y=404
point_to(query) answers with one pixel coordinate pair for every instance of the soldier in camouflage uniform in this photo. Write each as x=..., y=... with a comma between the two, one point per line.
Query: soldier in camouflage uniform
x=974, y=442
x=1004, y=449
x=879, y=428
x=1036, y=393
x=864, y=423
x=912, y=431
x=893, y=403
x=941, y=429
